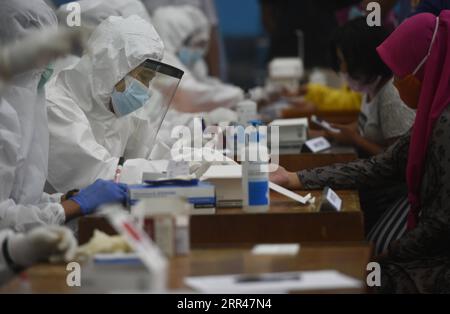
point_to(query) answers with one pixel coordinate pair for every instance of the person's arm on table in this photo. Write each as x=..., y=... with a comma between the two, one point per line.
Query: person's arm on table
x=19, y=251
x=388, y=167
x=75, y=150
x=349, y=135
x=6, y=272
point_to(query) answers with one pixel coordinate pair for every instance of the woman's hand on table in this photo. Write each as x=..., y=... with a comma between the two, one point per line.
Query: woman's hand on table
x=348, y=134
x=285, y=178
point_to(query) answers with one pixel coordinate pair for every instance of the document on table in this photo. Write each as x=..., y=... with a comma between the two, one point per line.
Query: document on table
x=273, y=282
x=276, y=249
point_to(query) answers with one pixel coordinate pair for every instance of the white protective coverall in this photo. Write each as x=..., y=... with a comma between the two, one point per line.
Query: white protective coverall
x=24, y=138
x=197, y=92
x=86, y=137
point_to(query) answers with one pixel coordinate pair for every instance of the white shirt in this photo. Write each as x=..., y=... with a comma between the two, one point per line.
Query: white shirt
x=385, y=116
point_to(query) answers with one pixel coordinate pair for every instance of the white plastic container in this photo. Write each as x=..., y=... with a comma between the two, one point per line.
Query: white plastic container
x=255, y=179
x=285, y=73
x=246, y=110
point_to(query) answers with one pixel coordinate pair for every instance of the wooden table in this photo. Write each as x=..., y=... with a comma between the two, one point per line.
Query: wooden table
x=348, y=258
x=339, y=117
x=302, y=161
x=286, y=222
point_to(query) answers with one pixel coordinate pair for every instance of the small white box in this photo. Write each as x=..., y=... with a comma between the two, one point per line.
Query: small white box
x=201, y=196
x=227, y=180
x=293, y=133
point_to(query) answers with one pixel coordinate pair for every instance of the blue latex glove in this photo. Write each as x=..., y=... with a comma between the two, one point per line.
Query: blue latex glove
x=99, y=193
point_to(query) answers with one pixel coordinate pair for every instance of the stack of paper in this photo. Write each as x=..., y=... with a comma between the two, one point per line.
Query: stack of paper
x=274, y=282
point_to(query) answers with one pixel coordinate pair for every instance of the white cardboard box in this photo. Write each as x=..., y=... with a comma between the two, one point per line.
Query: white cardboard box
x=291, y=131
x=227, y=180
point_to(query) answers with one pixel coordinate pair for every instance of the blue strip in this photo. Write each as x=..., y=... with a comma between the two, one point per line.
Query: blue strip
x=258, y=193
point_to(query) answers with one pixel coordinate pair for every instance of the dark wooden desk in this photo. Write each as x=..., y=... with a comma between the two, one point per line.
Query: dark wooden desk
x=340, y=117
x=286, y=222
x=348, y=258
x=302, y=161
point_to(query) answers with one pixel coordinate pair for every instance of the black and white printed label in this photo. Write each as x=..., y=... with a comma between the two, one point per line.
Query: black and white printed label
x=318, y=144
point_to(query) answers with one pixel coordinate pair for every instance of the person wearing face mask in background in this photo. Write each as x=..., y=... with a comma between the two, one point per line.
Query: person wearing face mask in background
x=185, y=33
x=215, y=58
x=384, y=117
x=418, y=53
x=95, y=109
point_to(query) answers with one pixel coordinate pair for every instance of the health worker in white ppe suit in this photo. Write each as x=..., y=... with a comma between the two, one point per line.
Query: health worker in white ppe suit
x=23, y=158
x=18, y=250
x=93, y=107
x=185, y=33
x=24, y=137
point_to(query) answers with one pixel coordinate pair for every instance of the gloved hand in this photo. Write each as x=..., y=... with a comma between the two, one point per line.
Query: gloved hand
x=49, y=243
x=99, y=193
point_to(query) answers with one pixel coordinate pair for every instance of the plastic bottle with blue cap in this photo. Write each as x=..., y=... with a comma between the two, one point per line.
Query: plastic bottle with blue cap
x=255, y=172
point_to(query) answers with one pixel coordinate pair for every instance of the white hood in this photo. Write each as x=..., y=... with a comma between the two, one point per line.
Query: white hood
x=96, y=11
x=116, y=47
x=175, y=24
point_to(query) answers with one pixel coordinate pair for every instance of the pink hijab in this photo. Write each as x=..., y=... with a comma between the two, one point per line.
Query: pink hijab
x=403, y=51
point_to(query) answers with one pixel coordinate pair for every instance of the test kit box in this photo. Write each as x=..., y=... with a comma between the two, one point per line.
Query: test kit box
x=227, y=180
x=201, y=196
x=293, y=133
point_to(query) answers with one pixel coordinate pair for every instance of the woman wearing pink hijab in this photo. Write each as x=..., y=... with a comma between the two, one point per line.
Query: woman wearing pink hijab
x=418, y=53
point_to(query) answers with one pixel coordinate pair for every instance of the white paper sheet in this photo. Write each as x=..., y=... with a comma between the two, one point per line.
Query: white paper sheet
x=276, y=249
x=308, y=280
x=134, y=168
x=294, y=196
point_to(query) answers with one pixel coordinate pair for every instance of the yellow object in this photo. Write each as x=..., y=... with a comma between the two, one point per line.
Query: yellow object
x=331, y=99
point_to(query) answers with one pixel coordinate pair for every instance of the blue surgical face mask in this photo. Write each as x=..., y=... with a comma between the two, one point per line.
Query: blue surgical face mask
x=135, y=96
x=190, y=56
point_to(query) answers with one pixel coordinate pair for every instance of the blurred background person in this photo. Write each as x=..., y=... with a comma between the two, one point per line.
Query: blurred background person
x=384, y=117
x=215, y=55
x=185, y=32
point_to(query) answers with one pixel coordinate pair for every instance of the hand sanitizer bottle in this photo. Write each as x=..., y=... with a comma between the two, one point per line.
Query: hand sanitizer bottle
x=255, y=176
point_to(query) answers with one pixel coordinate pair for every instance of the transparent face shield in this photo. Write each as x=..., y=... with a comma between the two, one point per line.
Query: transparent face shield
x=147, y=91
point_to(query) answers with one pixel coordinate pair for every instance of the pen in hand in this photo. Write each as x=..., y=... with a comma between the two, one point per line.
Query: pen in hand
x=119, y=170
